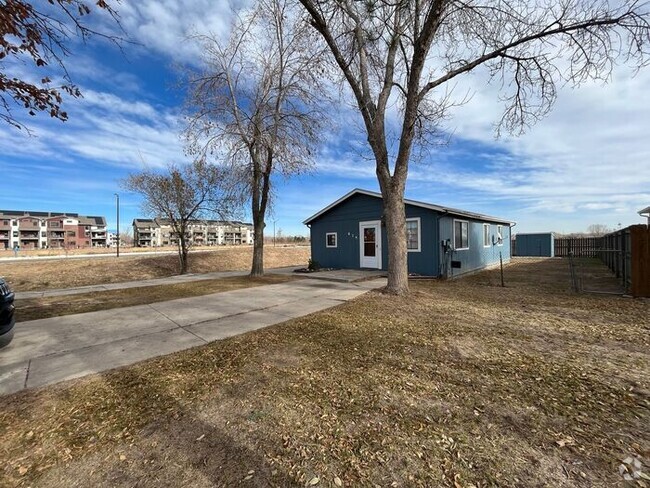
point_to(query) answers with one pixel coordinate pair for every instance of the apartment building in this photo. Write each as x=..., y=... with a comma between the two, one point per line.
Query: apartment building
x=50, y=230
x=158, y=232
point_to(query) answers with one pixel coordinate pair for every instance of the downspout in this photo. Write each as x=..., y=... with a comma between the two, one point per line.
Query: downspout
x=443, y=249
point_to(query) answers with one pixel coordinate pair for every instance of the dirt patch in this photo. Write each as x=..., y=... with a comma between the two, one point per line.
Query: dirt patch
x=457, y=384
x=70, y=273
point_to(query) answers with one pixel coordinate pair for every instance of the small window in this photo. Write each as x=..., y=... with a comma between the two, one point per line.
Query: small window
x=331, y=239
x=486, y=235
x=461, y=234
x=413, y=235
x=499, y=235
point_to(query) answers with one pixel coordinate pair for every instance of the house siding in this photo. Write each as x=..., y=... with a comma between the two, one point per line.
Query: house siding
x=344, y=219
x=477, y=256
x=435, y=226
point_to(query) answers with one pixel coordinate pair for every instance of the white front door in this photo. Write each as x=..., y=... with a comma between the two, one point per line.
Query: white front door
x=370, y=242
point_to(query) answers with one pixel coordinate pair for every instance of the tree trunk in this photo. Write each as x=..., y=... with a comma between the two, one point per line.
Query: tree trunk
x=395, y=219
x=261, y=187
x=257, y=269
x=182, y=254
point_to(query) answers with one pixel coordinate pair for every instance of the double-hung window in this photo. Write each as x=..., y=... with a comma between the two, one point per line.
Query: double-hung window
x=331, y=239
x=486, y=235
x=413, y=235
x=461, y=235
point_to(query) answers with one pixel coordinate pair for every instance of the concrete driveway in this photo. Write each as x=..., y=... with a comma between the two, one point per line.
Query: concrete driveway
x=51, y=350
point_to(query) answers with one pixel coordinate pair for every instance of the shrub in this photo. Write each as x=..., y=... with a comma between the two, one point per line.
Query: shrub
x=313, y=265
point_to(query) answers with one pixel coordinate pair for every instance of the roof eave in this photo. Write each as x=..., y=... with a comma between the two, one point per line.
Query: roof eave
x=437, y=208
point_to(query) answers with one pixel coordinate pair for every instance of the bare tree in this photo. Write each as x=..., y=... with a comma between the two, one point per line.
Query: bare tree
x=257, y=105
x=598, y=230
x=410, y=51
x=41, y=35
x=126, y=237
x=182, y=194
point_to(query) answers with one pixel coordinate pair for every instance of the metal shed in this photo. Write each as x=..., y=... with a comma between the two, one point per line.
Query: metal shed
x=542, y=244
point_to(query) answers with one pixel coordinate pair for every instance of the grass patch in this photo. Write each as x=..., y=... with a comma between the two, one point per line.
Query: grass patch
x=70, y=273
x=41, y=308
x=459, y=383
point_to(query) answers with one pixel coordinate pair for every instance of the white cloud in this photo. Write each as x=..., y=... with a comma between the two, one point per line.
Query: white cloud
x=591, y=149
x=164, y=25
x=588, y=161
x=105, y=129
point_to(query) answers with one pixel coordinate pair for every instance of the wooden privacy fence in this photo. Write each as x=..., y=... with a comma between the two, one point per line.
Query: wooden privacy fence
x=579, y=246
x=627, y=253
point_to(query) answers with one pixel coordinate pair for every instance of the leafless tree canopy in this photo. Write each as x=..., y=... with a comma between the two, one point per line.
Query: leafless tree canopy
x=598, y=230
x=411, y=51
x=40, y=34
x=181, y=194
x=256, y=107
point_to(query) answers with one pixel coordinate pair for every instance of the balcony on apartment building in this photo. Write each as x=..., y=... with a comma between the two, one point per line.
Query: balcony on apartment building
x=29, y=235
x=29, y=224
x=232, y=238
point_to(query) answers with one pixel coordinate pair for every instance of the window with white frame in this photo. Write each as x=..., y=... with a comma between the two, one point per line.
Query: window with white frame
x=486, y=235
x=461, y=234
x=331, y=239
x=499, y=235
x=413, y=235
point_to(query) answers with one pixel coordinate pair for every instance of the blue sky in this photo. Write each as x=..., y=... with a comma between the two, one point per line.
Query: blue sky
x=587, y=163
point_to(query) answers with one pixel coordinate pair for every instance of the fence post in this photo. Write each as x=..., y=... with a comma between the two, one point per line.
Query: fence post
x=640, y=260
x=574, y=277
x=501, y=264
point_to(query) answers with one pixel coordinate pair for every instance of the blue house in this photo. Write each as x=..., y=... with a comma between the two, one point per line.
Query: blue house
x=441, y=241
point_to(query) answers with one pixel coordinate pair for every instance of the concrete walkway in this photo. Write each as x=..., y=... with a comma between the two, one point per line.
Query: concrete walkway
x=50, y=350
x=169, y=280
x=339, y=275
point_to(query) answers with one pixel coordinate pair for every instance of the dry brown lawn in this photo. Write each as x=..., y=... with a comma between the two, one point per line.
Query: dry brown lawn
x=41, y=308
x=124, y=250
x=458, y=384
x=9, y=253
x=68, y=273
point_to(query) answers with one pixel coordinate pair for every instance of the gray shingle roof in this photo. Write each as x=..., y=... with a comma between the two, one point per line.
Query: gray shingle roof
x=430, y=206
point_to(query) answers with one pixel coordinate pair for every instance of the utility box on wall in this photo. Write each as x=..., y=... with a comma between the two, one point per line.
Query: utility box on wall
x=538, y=245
